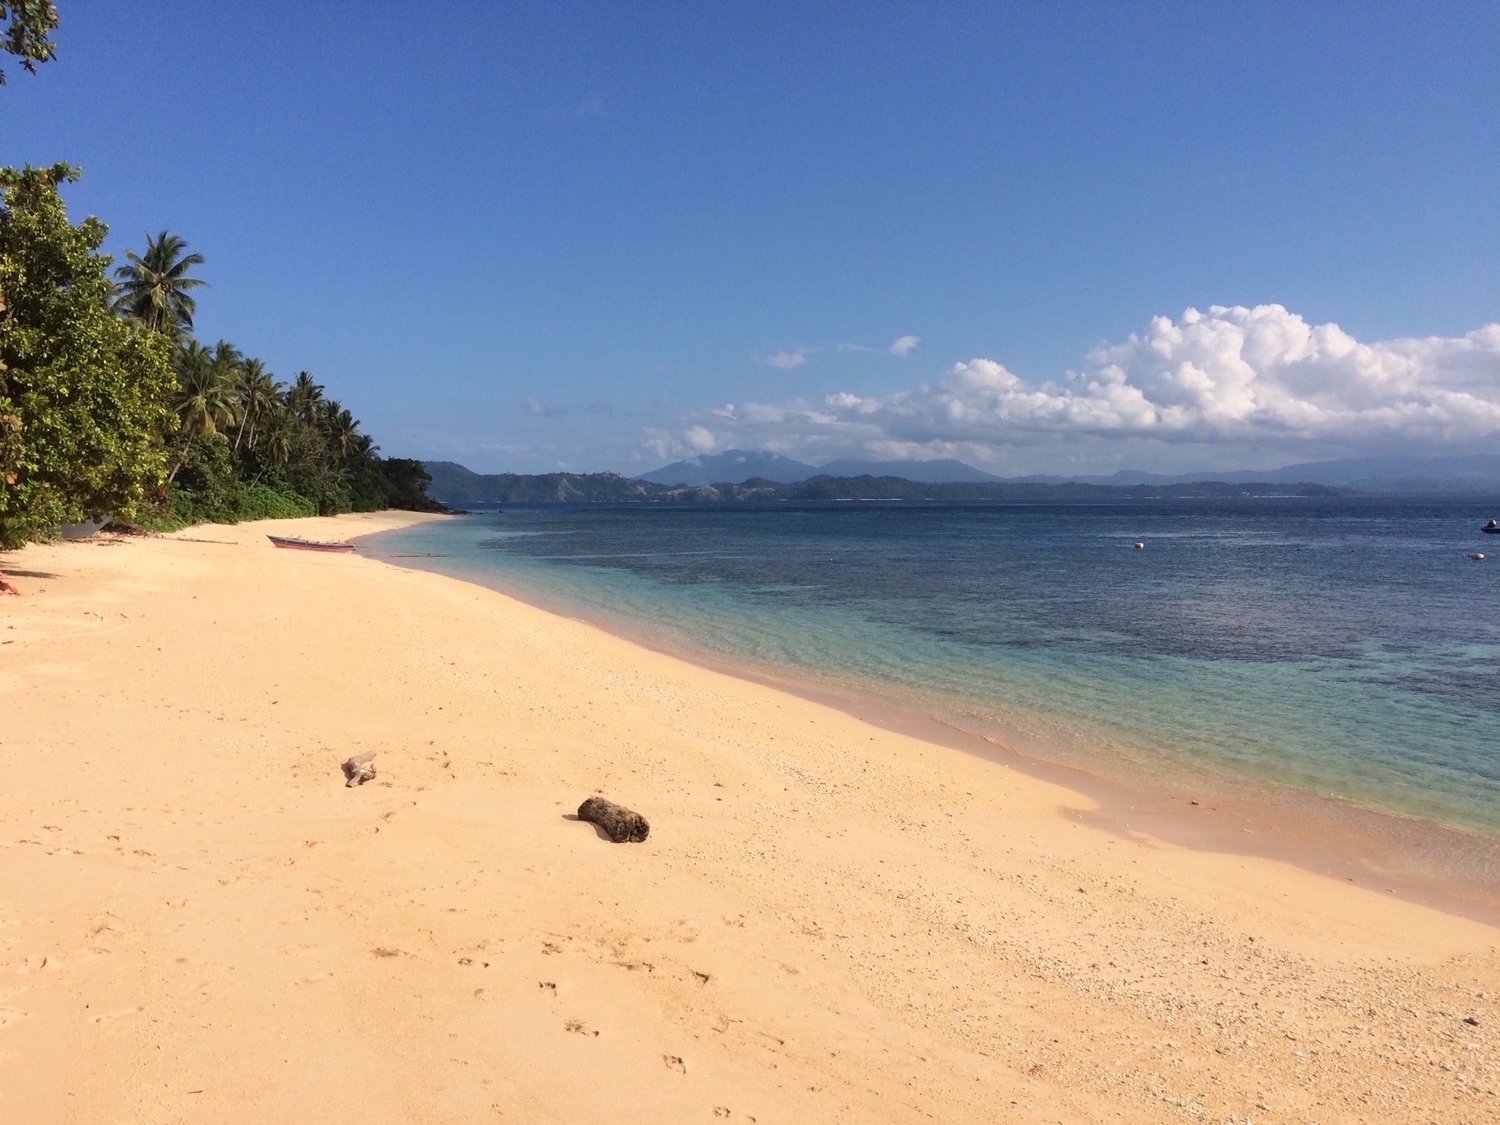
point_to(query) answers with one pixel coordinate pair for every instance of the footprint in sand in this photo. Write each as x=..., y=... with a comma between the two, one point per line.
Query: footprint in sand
x=578, y=1027
x=674, y=1062
x=9, y=1016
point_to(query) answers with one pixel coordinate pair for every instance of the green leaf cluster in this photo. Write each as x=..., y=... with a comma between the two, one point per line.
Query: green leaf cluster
x=26, y=28
x=83, y=393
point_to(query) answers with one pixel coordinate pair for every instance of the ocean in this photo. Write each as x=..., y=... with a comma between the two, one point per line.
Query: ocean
x=1343, y=647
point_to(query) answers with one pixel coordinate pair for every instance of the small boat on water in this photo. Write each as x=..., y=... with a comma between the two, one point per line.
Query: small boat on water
x=1491, y=528
x=293, y=543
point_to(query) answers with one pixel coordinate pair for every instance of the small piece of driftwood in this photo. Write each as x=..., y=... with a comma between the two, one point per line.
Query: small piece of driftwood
x=621, y=824
x=359, y=769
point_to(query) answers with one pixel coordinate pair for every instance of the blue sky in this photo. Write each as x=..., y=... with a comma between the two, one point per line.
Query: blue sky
x=1041, y=238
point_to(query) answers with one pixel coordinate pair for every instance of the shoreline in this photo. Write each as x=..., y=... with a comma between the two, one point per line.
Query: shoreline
x=1450, y=867
x=830, y=920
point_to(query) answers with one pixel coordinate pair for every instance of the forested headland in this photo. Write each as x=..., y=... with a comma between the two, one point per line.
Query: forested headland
x=111, y=407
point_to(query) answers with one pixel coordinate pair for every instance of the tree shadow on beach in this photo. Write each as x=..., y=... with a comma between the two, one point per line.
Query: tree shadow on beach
x=28, y=573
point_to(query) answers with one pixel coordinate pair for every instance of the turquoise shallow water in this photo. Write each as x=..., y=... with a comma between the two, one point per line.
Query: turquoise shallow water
x=1346, y=647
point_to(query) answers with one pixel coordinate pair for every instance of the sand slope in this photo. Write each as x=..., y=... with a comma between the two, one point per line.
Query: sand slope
x=830, y=922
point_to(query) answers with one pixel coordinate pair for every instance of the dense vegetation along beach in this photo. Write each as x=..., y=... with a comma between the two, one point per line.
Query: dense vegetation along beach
x=110, y=408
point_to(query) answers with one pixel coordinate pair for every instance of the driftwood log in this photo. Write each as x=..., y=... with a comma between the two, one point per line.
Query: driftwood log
x=359, y=769
x=621, y=824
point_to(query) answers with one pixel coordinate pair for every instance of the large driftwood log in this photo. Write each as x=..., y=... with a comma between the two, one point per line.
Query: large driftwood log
x=359, y=769
x=620, y=823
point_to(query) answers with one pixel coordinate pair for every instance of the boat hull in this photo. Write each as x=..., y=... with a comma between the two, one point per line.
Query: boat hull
x=292, y=543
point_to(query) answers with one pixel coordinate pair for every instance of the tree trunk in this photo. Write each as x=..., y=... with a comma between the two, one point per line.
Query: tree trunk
x=621, y=824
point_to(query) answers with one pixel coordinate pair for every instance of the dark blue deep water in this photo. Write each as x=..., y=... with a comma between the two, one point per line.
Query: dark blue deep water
x=1345, y=646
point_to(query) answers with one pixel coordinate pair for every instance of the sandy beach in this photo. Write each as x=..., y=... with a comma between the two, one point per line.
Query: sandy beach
x=831, y=921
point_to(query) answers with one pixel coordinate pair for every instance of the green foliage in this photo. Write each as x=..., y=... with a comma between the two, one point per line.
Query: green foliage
x=96, y=407
x=153, y=288
x=406, y=483
x=27, y=28
x=208, y=489
x=82, y=393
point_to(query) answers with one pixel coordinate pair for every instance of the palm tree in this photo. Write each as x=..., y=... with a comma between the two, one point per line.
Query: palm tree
x=205, y=399
x=341, y=430
x=227, y=356
x=365, y=448
x=303, y=397
x=153, y=287
x=257, y=390
x=276, y=439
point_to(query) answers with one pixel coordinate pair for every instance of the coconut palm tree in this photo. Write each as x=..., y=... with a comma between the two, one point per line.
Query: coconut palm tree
x=227, y=356
x=303, y=398
x=257, y=390
x=275, y=438
x=205, y=400
x=365, y=448
x=341, y=431
x=152, y=289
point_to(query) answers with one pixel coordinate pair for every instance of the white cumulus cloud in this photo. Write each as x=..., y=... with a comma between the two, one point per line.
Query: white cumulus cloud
x=1226, y=374
x=700, y=439
x=1227, y=381
x=787, y=360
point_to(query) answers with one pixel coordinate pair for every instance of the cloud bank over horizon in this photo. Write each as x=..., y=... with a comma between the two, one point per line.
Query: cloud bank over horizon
x=1232, y=385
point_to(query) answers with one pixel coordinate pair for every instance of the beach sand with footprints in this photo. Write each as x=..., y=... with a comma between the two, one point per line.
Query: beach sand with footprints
x=829, y=921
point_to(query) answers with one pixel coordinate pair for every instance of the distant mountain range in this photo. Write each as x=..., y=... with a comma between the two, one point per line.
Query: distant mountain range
x=1474, y=472
x=456, y=485
x=742, y=475
x=1457, y=473
x=737, y=465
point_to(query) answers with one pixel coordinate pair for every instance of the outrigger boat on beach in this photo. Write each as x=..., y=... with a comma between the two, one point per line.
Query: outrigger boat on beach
x=292, y=542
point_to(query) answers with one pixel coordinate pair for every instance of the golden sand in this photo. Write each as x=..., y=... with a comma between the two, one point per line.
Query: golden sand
x=830, y=921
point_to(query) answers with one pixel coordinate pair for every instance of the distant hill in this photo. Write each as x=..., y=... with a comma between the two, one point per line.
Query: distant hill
x=731, y=465
x=928, y=472
x=738, y=465
x=1476, y=472
x=741, y=475
x=454, y=484
x=1386, y=474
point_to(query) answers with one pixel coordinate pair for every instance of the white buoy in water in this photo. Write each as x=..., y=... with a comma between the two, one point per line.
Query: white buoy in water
x=1140, y=546
x=1477, y=556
